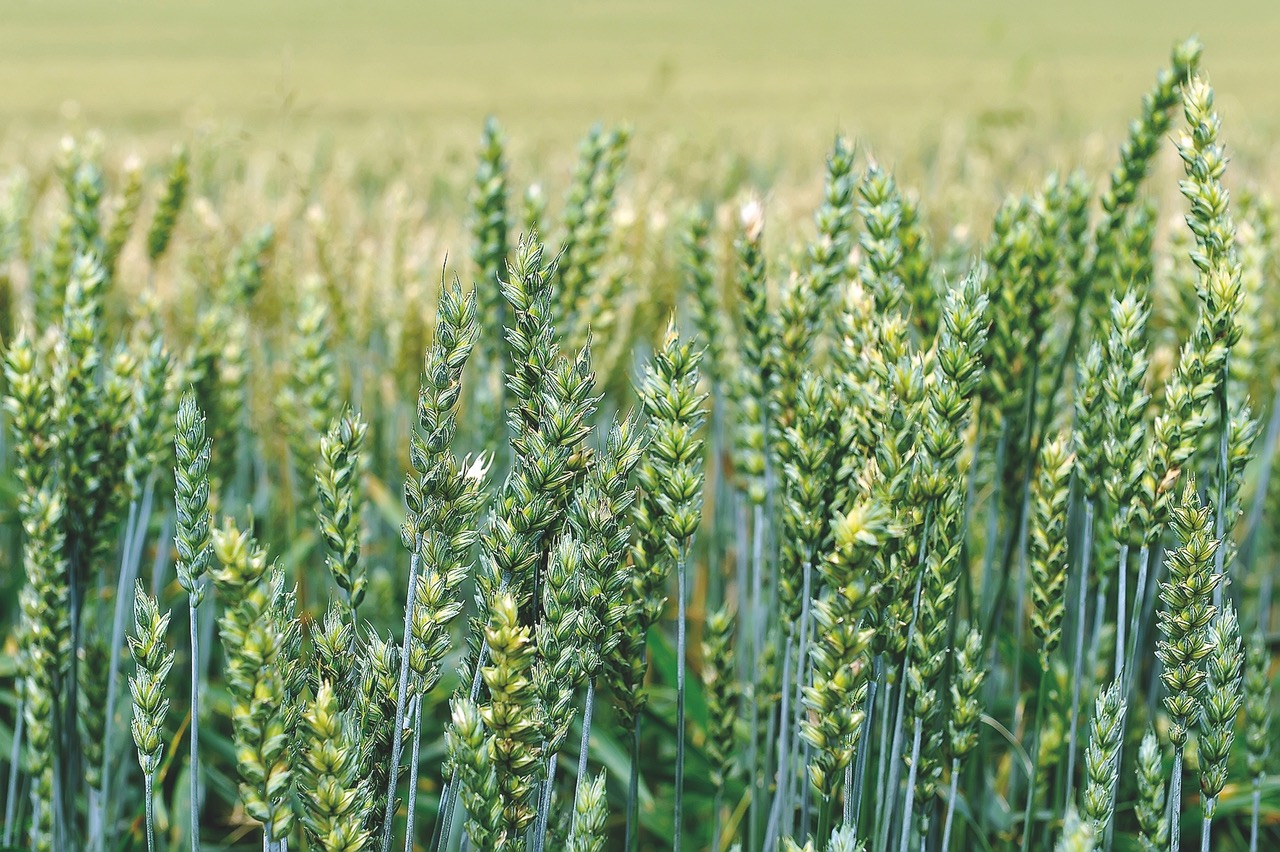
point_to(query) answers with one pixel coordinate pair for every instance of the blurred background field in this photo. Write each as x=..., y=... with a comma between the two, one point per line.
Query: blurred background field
x=757, y=77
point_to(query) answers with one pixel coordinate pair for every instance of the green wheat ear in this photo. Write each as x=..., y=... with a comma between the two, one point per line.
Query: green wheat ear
x=153, y=660
x=1101, y=759
x=723, y=693
x=513, y=714
x=590, y=811
x=559, y=669
x=829, y=253
x=1220, y=708
x=587, y=215
x=700, y=279
x=169, y=206
x=92, y=698
x=334, y=806
x=1077, y=833
x=339, y=504
x=471, y=749
x=126, y=214
x=1184, y=621
x=191, y=499
x=966, y=710
x=1048, y=557
x=1257, y=714
x=311, y=401
x=1153, y=831
x=490, y=248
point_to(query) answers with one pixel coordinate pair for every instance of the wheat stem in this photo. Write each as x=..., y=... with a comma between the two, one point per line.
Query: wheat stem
x=854, y=780
x=1086, y=549
x=909, y=807
x=633, y=792
x=951, y=805
x=587, y=708
x=195, y=730
x=402, y=693
x=1174, y=809
x=147, y=783
x=412, y=806
x=773, y=829
x=1255, y=808
x=134, y=537
x=681, y=640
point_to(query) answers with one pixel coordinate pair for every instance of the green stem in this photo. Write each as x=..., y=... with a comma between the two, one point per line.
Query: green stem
x=588, y=707
x=148, y=789
x=993, y=521
x=98, y=801
x=134, y=537
x=681, y=629
x=803, y=789
x=413, y=773
x=742, y=561
x=951, y=804
x=1155, y=568
x=712, y=543
x=194, y=771
x=1139, y=601
x=1122, y=669
x=633, y=793
x=825, y=807
x=769, y=775
x=1253, y=821
x=95, y=840
x=397, y=739
x=774, y=829
x=918, y=722
x=1224, y=474
x=889, y=792
x=544, y=805
x=1122, y=581
x=1249, y=548
x=882, y=750
x=1020, y=608
x=1017, y=535
x=855, y=778
x=442, y=812
x=909, y=808
x=716, y=807
x=1175, y=801
x=802, y=678
x=1086, y=548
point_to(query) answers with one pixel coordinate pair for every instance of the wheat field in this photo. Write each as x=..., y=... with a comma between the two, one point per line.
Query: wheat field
x=594, y=427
